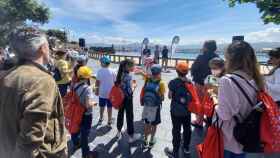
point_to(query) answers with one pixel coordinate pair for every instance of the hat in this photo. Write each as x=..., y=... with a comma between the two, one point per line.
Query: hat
x=182, y=67
x=105, y=60
x=84, y=72
x=156, y=69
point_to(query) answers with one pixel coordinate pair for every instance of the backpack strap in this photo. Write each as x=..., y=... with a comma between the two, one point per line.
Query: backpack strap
x=246, y=81
x=244, y=93
x=83, y=91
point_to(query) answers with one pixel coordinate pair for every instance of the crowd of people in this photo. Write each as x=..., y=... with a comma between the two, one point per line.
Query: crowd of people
x=35, y=89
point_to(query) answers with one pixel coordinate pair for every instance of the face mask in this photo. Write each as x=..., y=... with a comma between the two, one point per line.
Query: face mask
x=216, y=72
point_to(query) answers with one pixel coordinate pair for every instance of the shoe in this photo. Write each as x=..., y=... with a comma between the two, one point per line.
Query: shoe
x=152, y=142
x=110, y=123
x=146, y=143
x=170, y=153
x=100, y=122
x=186, y=151
x=92, y=154
x=134, y=138
x=119, y=134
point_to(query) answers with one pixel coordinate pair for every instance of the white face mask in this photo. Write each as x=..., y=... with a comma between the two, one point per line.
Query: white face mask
x=216, y=72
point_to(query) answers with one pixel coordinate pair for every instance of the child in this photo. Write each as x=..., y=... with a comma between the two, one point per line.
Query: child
x=153, y=96
x=217, y=66
x=124, y=79
x=63, y=72
x=104, y=83
x=85, y=93
x=273, y=78
x=148, y=62
x=180, y=116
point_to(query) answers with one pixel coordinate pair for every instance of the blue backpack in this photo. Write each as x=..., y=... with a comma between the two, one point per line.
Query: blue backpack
x=151, y=94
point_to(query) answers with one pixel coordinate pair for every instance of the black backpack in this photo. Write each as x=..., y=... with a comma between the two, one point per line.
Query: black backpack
x=247, y=132
x=181, y=98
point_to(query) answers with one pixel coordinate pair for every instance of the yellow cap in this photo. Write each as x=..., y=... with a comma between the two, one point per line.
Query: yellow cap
x=84, y=72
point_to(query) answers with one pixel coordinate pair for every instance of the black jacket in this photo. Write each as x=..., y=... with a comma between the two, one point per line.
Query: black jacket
x=200, y=68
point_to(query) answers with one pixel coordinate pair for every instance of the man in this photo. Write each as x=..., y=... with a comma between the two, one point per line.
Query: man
x=164, y=58
x=2, y=58
x=31, y=115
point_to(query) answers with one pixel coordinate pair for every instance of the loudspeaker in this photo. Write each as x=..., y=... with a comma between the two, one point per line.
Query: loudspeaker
x=82, y=42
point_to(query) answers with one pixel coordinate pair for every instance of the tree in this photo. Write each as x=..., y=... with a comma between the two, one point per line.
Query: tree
x=61, y=35
x=270, y=9
x=15, y=13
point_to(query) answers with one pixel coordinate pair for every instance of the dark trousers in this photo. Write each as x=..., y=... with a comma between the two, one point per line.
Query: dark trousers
x=63, y=89
x=82, y=136
x=128, y=109
x=177, y=123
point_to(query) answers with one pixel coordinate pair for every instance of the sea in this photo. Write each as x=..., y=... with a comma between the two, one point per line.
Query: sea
x=261, y=57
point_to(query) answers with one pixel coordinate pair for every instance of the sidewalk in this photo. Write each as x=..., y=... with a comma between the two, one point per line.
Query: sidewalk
x=103, y=138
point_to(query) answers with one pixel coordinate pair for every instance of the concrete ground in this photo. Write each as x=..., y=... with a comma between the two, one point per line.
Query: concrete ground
x=103, y=140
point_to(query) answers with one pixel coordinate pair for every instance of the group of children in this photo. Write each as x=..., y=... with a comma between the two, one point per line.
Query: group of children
x=152, y=96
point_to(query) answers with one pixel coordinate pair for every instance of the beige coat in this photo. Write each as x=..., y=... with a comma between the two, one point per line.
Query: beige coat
x=31, y=114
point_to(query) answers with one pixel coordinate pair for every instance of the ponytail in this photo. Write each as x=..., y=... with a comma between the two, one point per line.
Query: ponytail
x=123, y=69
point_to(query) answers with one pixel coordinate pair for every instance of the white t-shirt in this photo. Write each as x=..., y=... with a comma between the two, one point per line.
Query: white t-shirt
x=273, y=85
x=107, y=78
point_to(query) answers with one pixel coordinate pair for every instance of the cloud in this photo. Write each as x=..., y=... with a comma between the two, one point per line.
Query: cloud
x=271, y=34
x=93, y=39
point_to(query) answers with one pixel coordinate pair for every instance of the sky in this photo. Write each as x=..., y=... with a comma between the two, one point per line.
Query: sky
x=128, y=21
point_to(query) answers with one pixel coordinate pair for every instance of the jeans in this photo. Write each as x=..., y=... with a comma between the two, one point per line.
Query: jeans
x=84, y=134
x=128, y=108
x=177, y=123
x=228, y=154
x=63, y=89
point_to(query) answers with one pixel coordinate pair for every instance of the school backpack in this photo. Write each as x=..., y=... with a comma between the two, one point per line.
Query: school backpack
x=116, y=96
x=73, y=110
x=247, y=132
x=150, y=96
x=182, y=95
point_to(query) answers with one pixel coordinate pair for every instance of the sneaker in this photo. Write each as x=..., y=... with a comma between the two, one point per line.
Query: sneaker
x=152, y=142
x=146, y=143
x=92, y=154
x=100, y=121
x=186, y=151
x=119, y=134
x=110, y=123
x=170, y=153
x=134, y=138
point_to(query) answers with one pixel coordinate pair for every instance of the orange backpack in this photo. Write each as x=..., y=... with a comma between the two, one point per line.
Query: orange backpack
x=116, y=96
x=73, y=111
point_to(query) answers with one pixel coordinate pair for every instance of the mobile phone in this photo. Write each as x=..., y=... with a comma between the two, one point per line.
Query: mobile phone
x=237, y=38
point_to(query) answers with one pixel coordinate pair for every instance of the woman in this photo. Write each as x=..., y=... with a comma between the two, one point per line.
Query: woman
x=240, y=60
x=273, y=78
x=200, y=70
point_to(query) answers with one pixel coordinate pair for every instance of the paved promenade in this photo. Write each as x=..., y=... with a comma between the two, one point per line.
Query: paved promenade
x=103, y=140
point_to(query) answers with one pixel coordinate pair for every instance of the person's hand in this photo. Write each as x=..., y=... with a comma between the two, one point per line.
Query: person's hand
x=134, y=85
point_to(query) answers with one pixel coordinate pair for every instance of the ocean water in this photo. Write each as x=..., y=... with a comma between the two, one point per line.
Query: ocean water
x=262, y=57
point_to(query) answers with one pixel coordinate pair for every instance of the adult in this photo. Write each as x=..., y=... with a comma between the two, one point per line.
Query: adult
x=156, y=54
x=273, y=78
x=2, y=58
x=31, y=115
x=64, y=71
x=242, y=66
x=200, y=70
x=164, y=55
x=146, y=51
